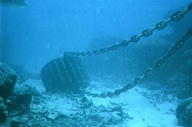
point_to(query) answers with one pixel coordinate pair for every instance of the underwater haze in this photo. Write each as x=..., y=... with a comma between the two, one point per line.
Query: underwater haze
x=119, y=80
x=42, y=31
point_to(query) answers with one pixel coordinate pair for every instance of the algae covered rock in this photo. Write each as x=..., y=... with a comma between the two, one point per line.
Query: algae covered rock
x=8, y=79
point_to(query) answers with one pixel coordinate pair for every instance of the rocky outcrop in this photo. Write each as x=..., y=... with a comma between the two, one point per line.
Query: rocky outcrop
x=184, y=112
x=35, y=87
x=20, y=103
x=12, y=101
x=8, y=79
x=3, y=111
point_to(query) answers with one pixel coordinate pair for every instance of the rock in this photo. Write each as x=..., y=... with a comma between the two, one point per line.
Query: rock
x=184, y=112
x=35, y=87
x=61, y=111
x=20, y=103
x=3, y=111
x=23, y=74
x=8, y=79
x=22, y=96
x=19, y=121
x=15, y=123
x=27, y=89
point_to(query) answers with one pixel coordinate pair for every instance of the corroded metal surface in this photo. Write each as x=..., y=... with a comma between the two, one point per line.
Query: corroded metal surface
x=66, y=74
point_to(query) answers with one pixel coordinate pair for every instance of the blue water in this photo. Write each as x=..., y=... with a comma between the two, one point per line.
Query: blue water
x=33, y=35
x=36, y=34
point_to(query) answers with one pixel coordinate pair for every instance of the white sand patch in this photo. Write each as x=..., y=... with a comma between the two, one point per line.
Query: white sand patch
x=138, y=108
x=145, y=112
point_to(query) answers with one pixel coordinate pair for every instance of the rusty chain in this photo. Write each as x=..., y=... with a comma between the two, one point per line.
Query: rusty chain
x=146, y=33
x=149, y=71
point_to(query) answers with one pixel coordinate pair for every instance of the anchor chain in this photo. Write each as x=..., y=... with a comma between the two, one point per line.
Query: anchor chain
x=146, y=33
x=172, y=51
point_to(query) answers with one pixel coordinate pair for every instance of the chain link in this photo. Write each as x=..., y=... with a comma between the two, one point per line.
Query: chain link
x=146, y=33
x=177, y=16
x=149, y=71
x=161, y=25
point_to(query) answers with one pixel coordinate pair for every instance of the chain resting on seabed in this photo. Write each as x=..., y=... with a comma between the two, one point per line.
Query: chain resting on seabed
x=146, y=33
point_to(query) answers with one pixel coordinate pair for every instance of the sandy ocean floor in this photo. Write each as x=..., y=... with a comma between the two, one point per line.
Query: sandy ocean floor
x=138, y=107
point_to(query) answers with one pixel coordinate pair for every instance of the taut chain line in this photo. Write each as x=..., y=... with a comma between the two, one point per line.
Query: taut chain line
x=146, y=33
x=149, y=71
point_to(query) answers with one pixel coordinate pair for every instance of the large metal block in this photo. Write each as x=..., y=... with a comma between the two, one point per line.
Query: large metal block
x=66, y=74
